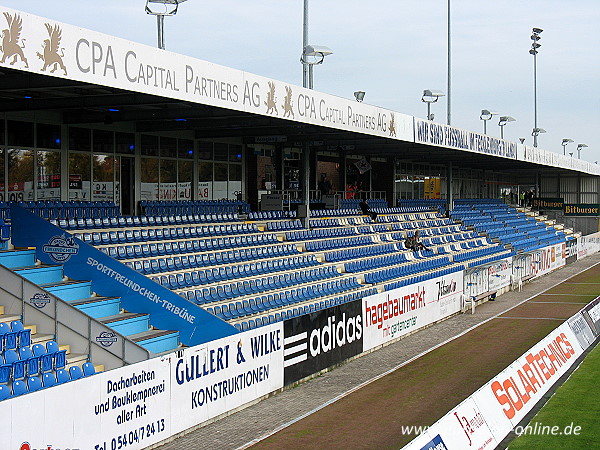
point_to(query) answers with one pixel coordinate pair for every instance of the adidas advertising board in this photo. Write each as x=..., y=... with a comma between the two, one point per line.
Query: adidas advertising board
x=394, y=313
x=315, y=341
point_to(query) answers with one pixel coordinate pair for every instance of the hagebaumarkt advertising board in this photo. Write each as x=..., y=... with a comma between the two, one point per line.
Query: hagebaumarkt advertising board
x=123, y=408
x=213, y=378
x=322, y=339
x=547, y=259
x=392, y=314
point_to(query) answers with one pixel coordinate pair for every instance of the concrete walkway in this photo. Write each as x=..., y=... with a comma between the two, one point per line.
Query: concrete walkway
x=241, y=429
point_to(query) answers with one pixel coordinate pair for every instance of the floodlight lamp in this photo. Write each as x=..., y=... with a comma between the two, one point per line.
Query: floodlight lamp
x=533, y=52
x=318, y=52
x=505, y=119
x=580, y=146
x=537, y=30
x=535, y=37
x=487, y=114
x=359, y=95
x=565, y=141
x=170, y=7
x=537, y=131
x=431, y=116
x=431, y=96
x=535, y=45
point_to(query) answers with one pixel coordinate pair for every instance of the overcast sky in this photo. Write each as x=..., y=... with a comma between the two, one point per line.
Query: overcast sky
x=392, y=50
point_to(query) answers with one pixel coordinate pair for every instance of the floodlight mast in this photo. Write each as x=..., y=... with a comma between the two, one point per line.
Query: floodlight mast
x=170, y=9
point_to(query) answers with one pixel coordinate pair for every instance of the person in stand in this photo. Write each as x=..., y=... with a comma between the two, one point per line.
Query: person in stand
x=364, y=207
x=325, y=185
x=413, y=243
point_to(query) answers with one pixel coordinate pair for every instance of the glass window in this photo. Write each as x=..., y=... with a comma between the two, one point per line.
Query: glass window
x=185, y=148
x=220, y=172
x=104, y=141
x=221, y=152
x=48, y=176
x=20, y=133
x=2, y=184
x=149, y=177
x=79, y=176
x=80, y=139
x=103, y=168
x=168, y=147
x=48, y=136
x=168, y=180
x=125, y=143
x=184, y=183
x=2, y=132
x=235, y=153
x=205, y=171
x=205, y=150
x=20, y=175
x=235, y=172
x=149, y=145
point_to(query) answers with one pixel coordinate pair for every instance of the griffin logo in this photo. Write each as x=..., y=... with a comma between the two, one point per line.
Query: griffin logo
x=51, y=47
x=271, y=99
x=288, y=105
x=393, y=126
x=10, y=40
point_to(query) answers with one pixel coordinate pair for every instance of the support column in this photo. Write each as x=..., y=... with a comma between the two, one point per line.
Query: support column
x=450, y=181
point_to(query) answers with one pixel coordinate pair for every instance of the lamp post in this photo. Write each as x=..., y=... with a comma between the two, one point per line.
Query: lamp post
x=535, y=133
x=359, y=96
x=430, y=96
x=169, y=8
x=502, y=122
x=485, y=116
x=564, y=143
x=535, y=37
x=312, y=56
x=579, y=147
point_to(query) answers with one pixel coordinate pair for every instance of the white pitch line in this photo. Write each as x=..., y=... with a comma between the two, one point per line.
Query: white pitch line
x=387, y=372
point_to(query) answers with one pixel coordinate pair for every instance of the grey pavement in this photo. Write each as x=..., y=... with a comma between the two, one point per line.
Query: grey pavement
x=240, y=429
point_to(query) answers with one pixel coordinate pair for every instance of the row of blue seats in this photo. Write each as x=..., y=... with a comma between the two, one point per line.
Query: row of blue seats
x=171, y=264
x=286, y=298
x=183, y=280
x=320, y=233
x=302, y=310
x=381, y=276
x=360, y=252
x=132, y=251
x=140, y=221
x=161, y=234
x=54, y=209
x=315, y=246
x=271, y=215
x=472, y=254
x=186, y=207
x=422, y=277
x=14, y=335
x=373, y=263
x=489, y=259
x=235, y=289
x=48, y=379
x=31, y=361
x=284, y=225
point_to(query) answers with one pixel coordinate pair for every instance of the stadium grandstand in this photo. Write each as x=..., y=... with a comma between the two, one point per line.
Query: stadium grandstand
x=168, y=256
